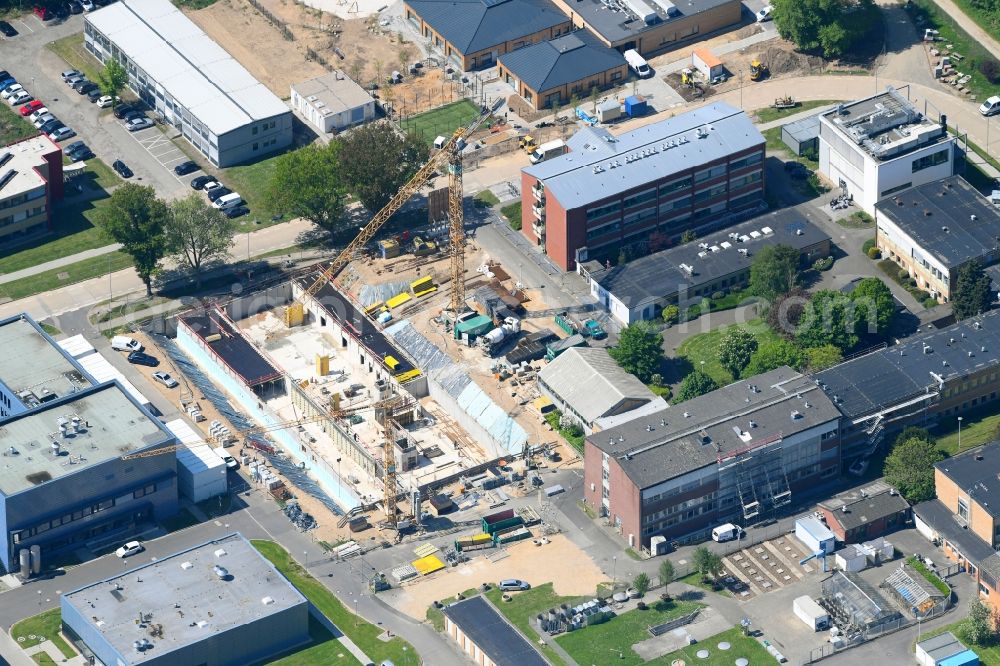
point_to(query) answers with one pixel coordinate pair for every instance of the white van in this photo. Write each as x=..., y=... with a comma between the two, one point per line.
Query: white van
x=125, y=343
x=547, y=151
x=638, y=64
x=726, y=532
x=228, y=201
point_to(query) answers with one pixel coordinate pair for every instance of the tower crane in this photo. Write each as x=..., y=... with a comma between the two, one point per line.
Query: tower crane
x=449, y=156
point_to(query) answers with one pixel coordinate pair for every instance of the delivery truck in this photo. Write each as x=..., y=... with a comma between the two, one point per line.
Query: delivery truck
x=638, y=64
x=547, y=151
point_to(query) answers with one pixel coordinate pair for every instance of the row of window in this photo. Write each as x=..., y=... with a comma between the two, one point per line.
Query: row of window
x=931, y=160
x=79, y=514
x=21, y=216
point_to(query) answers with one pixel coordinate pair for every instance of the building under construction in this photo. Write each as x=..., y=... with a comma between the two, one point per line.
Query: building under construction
x=737, y=454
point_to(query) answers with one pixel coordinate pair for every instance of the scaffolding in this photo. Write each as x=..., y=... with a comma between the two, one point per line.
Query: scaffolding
x=756, y=475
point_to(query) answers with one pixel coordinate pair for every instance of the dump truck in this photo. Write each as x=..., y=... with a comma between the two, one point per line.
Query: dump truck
x=594, y=329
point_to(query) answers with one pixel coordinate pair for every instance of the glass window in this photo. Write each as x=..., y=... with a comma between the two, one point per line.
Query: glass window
x=675, y=186
x=709, y=173
x=931, y=160
x=640, y=197
x=756, y=158
x=601, y=211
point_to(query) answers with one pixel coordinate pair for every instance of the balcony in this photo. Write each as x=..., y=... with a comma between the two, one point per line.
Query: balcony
x=538, y=191
x=539, y=230
x=539, y=212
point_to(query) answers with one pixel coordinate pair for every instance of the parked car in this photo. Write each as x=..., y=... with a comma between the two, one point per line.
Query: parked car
x=31, y=107
x=105, y=101
x=11, y=90
x=199, y=182
x=131, y=548
x=75, y=7
x=133, y=114
x=20, y=97
x=61, y=11
x=75, y=79
x=126, y=343
x=236, y=211
x=61, y=134
x=86, y=87
x=217, y=193
x=226, y=458
x=94, y=95
x=122, y=109
x=184, y=168
x=7, y=82
x=88, y=5
x=51, y=126
x=137, y=124
x=990, y=106
x=41, y=120
x=38, y=113
x=80, y=84
x=140, y=358
x=765, y=14
x=4, y=75
x=211, y=185
x=122, y=169
x=42, y=13
x=7, y=29
x=78, y=151
x=69, y=73
x=514, y=584
x=165, y=379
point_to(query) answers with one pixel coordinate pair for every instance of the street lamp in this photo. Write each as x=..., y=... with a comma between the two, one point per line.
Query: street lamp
x=959, y=434
x=340, y=481
x=614, y=569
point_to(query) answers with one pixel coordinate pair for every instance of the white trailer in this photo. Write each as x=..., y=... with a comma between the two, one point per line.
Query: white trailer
x=609, y=110
x=810, y=612
x=638, y=64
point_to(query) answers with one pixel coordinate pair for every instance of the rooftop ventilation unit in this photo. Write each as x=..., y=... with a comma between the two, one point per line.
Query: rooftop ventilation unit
x=796, y=414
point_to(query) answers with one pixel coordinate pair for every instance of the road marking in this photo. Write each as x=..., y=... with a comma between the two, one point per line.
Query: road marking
x=26, y=26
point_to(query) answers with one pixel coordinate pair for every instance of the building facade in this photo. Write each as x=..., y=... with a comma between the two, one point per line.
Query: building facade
x=31, y=173
x=195, y=85
x=865, y=514
x=485, y=637
x=700, y=171
x=879, y=146
x=333, y=102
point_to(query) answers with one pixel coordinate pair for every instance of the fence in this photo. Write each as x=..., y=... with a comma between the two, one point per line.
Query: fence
x=274, y=20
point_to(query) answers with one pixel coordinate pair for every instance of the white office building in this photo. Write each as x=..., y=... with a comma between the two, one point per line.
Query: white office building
x=333, y=102
x=881, y=145
x=179, y=71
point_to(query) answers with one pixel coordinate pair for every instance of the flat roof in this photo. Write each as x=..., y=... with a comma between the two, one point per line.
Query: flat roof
x=885, y=125
x=34, y=366
x=231, y=347
x=333, y=93
x=476, y=25
x=864, y=505
x=936, y=514
x=590, y=381
x=976, y=472
x=621, y=21
x=184, y=597
x=601, y=165
x=664, y=273
x=194, y=70
x=907, y=371
x=804, y=129
x=504, y=645
x=561, y=61
x=25, y=157
x=778, y=404
x=111, y=424
x=948, y=219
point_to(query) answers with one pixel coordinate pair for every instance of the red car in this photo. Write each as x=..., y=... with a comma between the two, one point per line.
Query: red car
x=31, y=107
x=44, y=13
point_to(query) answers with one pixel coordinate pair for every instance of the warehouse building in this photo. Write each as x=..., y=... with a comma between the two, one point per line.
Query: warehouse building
x=63, y=484
x=475, y=33
x=934, y=229
x=736, y=454
x=699, y=171
x=31, y=181
x=333, y=102
x=217, y=604
x=485, y=637
x=176, y=69
x=719, y=262
x=881, y=145
x=586, y=384
x=549, y=74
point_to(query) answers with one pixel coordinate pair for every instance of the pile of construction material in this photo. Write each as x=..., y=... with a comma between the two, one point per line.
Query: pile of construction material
x=299, y=518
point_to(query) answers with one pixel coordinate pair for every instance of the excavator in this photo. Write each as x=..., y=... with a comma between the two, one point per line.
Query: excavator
x=758, y=70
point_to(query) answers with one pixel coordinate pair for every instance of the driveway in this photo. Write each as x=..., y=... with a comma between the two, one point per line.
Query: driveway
x=38, y=69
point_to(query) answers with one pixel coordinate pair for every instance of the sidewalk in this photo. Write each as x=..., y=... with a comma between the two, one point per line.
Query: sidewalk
x=58, y=263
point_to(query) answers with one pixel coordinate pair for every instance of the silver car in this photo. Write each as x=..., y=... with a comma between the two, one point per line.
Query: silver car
x=165, y=379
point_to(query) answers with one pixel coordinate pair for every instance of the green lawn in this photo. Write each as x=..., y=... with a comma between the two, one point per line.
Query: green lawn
x=695, y=580
x=251, y=181
x=769, y=114
x=526, y=605
x=324, y=649
x=71, y=50
x=13, y=127
x=742, y=646
x=81, y=270
x=364, y=634
x=988, y=656
x=442, y=121
x=513, y=214
x=575, y=440
x=45, y=626
x=702, y=350
x=486, y=199
x=43, y=659
x=603, y=643
x=50, y=329
x=979, y=426
x=436, y=617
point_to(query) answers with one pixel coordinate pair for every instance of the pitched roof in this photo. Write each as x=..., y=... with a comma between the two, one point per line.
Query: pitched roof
x=590, y=381
x=484, y=626
x=561, y=61
x=865, y=509
x=475, y=25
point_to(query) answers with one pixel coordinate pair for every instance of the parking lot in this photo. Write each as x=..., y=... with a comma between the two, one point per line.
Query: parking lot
x=165, y=151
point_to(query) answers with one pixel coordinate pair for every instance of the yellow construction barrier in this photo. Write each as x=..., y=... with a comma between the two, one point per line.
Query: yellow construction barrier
x=428, y=565
x=374, y=307
x=429, y=290
x=421, y=284
x=404, y=377
x=398, y=299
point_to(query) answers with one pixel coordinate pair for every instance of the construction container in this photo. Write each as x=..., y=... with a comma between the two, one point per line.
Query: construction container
x=500, y=520
x=815, y=535
x=512, y=534
x=322, y=365
x=609, y=110
x=294, y=314
x=474, y=326
x=565, y=323
x=554, y=349
x=810, y=612
x=201, y=474
x=708, y=64
x=851, y=558
x=526, y=353
x=474, y=542
x=635, y=106
x=388, y=248
x=424, y=285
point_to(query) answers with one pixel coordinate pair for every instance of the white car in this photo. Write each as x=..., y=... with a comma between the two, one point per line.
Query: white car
x=106, y=101
x=226, y=458
x=10, y=92
x=38, y=113
x=20, y=98
x=131, y=548
x=990, y=106
x=211, y=185
x=42, y=119
x=165, y=379
x=765, y=14
x=88, y=5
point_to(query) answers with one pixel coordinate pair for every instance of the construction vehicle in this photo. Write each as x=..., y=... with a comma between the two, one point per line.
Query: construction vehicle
x=527, y=143
x=422, y=247
x=687, y=77
x=758, y=70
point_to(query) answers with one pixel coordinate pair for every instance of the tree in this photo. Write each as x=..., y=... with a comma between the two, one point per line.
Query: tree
x=641, y=584
x=707, y=563
x=405, y=53
x=695, y=384
x=736, y=349
x=198, y=233
x=112, y=79
x=910, y=468
x=773, y=271
x=670, y=314
x=978, y=627
x=375, y=161
x=823, y=357
x=639, y=350
x=874, y=307
x=594, y=94
x=826, y=27
x=135, y=218
x=307, y=183
x=773, y=354
x=828, y=319
x=914, y=432
x=689, y=236
x=666, y=574
x=972, y=294
x=785, y=312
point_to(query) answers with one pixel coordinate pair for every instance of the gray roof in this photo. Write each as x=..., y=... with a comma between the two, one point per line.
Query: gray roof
x=994, y=273
x=904, y=372
x=660, y=275
x=475, y=25
x=948, y=219
x=863, y=510
x=617, y=25
x=936, y=514
x=185, y=582
x=485, y=627
x=976, y=473
x=941, y=647
x=561, y=61
x=804, y=129
x=334, y=92
x=601, y=166
x=589, y=380
x=668, y=444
